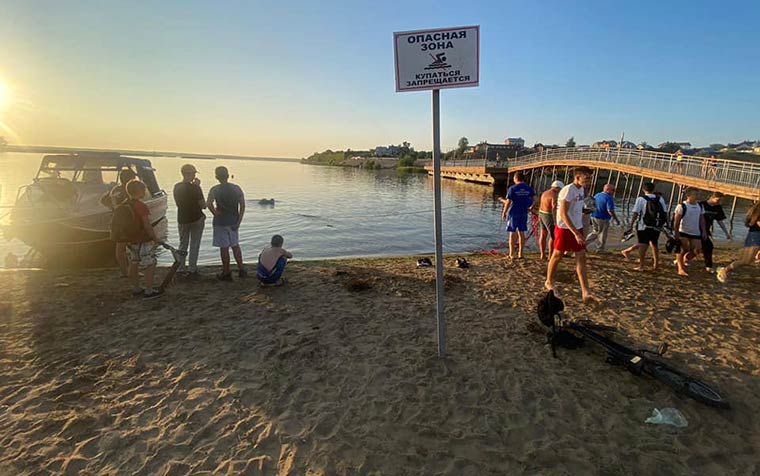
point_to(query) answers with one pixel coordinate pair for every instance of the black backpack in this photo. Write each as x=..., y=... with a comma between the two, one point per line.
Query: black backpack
x=124, y=226
x=654, y=214
x=548, y=307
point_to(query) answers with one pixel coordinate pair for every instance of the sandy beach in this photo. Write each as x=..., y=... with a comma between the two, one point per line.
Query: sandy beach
x=336, y=374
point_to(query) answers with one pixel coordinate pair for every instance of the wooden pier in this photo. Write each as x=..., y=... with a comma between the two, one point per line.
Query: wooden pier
x=478, y=173
x=733, y=178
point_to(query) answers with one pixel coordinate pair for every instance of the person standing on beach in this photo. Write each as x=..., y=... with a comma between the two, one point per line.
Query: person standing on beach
x=115, y=197
x=751, y=244
x=713, y=213
x=689, y=227
x=142, y=246
x=188, y=196
x=649, y=216
x=568, y=233
x=546, y=212
x=519, y=202
x=226, y=202
x=601, y=217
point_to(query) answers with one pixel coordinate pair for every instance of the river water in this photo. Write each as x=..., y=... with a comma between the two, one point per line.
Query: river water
x=325, y=212
x=322, y=212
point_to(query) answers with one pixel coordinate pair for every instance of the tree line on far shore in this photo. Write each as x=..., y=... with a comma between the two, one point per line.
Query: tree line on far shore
x=407, y=157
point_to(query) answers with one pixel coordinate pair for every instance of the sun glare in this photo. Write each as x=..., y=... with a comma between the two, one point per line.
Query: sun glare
x=5, y=95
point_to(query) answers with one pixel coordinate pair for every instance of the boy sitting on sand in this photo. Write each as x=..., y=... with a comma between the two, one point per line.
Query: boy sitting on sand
x=272, y=262
x=141, y=249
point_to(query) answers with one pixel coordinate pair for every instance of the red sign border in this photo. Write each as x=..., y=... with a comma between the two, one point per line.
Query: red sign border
x=437, y=30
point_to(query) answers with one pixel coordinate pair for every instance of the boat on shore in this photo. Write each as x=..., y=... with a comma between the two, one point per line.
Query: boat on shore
x=60, y=215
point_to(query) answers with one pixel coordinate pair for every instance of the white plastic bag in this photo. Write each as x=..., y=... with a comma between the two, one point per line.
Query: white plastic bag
x=667, y=416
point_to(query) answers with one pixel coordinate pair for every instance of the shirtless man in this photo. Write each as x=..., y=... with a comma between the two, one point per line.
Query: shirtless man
x=546, y=211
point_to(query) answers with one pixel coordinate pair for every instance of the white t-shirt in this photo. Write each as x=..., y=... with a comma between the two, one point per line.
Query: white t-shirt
x=690, y=220
x=573, y=195
x=640, y=207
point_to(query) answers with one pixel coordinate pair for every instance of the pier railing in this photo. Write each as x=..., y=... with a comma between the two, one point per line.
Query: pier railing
x=731, y=172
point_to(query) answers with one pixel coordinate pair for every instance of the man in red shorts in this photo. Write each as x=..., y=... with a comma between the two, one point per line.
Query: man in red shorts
x=568, y=232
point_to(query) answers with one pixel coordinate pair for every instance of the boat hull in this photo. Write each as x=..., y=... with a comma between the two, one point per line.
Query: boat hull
x=81, y=240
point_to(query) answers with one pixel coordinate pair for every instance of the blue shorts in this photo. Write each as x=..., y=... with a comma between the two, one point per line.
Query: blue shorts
x=271, y=277
x=517, y=222
x=753, y=238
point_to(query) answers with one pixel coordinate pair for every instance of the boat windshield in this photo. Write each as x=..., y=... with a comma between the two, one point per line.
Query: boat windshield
x=95, y=171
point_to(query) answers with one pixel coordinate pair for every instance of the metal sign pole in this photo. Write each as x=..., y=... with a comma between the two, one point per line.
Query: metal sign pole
x=437, y=219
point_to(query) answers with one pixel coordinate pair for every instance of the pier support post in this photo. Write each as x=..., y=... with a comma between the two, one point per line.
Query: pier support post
x=670, y=202
x=438, y=223
x=731, y=220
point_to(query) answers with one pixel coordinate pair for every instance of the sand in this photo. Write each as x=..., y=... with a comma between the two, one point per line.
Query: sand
x=336, y=374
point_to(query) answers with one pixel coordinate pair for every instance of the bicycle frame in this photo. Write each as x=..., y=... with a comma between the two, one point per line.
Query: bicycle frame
x=177, y=255
x=637, y=362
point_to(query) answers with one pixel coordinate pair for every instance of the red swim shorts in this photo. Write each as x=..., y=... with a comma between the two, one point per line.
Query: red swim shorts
x=564, y=240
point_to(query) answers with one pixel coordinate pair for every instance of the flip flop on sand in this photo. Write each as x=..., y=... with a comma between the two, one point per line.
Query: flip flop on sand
x=462, y=263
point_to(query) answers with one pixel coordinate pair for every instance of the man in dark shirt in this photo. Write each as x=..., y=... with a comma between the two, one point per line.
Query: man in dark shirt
x=227, y=203
x=190, y=218
x=713, y=212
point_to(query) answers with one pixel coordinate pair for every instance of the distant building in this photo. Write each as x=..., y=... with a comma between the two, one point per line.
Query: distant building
x=746, y=146
x=388, y=151
x=603, y=144
x=628, y=145
x=515, y=142
x=681, y=145
x=490, y=151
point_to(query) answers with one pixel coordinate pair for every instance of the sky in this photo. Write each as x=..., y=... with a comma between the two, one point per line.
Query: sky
x=286, y=79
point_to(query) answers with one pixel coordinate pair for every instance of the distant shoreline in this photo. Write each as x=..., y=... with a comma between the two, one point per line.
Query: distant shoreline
x=44, y=149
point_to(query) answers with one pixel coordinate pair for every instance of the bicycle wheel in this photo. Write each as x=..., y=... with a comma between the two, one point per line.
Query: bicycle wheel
x=692, y=387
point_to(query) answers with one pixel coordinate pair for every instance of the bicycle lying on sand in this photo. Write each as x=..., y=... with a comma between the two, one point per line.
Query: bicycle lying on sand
x=177, y=256
x=642, y=361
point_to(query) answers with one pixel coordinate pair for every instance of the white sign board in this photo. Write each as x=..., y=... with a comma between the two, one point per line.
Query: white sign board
x=437, y=59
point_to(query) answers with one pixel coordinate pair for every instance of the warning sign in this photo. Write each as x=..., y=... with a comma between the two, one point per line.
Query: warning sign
x=437, y=59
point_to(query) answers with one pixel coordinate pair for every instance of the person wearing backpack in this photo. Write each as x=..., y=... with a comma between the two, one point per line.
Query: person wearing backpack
x=141, y=240
x=751, y=244
x=689, y=227
x=115, y=197
x=649, y=216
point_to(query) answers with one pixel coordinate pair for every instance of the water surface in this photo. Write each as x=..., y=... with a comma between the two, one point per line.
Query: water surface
x=322, y=212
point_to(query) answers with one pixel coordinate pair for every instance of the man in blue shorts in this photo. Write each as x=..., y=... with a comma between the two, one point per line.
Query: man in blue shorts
x=227, y=203
x=520, y=200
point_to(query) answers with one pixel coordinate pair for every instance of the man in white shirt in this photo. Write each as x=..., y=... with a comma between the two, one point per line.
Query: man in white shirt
x=649, y=215
x=568, y=232
x=690, y=228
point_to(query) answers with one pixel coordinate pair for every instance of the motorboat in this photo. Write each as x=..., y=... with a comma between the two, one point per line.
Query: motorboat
x=60, y=215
